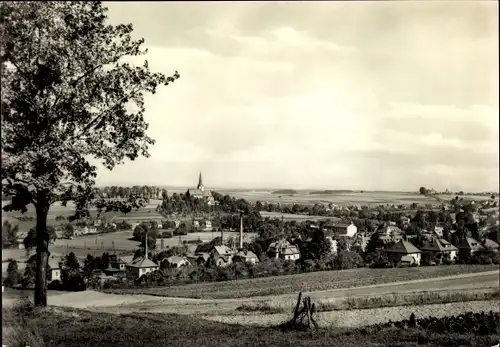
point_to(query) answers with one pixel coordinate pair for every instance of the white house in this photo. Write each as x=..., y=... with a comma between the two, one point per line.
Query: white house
x=141, y=266
x=54, y=270
x=176, y=261
x=347, y=229
x=283, y=250
x=439, y=247
x=246, y=257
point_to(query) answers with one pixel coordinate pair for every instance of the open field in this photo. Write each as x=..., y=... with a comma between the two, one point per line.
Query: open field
x=295, y=217
x=342, y=198
x=84, y=328
x=146, y=213
x=312, y=282
x=122, y=242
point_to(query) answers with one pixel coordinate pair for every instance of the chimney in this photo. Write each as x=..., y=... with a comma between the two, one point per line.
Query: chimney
x=241, y=230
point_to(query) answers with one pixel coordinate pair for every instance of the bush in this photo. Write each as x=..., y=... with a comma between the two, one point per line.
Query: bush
x=182, y=232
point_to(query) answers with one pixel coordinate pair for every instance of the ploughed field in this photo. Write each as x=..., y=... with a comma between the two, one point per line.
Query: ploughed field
x=310, y=282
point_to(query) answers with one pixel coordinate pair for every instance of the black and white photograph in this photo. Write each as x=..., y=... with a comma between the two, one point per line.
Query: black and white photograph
x=250, y=173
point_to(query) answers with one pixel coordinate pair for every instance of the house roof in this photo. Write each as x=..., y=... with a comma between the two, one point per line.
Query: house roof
x=53, y=264
x=290, y=250
x=198, y=192
x=438, y=245
x=470, y=243
x=176, y=259
x=142, y=262
x=404, y=247
x=205, y=256
x=284, y=247
x=247, y=254
x=223, y=250
x=204, y=248
x=490, y=244
x=127, y=259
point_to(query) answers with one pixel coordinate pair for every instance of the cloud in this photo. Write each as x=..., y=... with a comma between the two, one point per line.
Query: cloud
x=321, y=95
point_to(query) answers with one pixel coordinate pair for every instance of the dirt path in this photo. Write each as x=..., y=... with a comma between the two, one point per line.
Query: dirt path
x=147, y=303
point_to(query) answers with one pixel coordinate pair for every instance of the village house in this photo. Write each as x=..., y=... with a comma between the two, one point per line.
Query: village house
x=439, y=247
x=175, y=262
x=361, y=241
x=201, y=193
x=141, y=266
x=404, y=248
x=246, y=257
x=345, y=229
x=123, y=261
x=208, y=225
x=223, y=254
x=389, y=233
x=468, y=246
x=405, y=220
x=54, y=270
x=438, y=231
x=84, y=231
x=283, y=250
x=199, y=258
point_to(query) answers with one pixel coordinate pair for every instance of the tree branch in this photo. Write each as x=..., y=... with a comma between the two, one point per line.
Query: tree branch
x=99, y=117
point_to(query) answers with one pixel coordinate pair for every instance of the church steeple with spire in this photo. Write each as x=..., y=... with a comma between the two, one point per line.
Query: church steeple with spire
x=200, y=183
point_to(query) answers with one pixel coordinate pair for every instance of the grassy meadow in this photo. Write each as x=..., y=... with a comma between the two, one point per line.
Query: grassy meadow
x=34, y=327
x=306, y=282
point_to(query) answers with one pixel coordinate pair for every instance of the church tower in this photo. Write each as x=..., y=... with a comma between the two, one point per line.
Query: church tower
x=200, y=183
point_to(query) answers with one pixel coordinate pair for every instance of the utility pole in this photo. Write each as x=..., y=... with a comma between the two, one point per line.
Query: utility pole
x=146, y=246
x=241, y=230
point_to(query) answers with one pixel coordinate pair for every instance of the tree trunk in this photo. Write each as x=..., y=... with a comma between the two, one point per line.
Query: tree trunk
x=42, y=252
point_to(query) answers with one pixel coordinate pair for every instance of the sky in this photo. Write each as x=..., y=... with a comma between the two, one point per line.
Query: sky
x=319, y=95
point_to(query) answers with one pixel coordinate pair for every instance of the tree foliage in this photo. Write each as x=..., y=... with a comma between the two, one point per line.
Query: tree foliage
x=69, y=94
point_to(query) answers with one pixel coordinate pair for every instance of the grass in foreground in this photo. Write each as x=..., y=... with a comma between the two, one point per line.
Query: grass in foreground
x=78, y=328
x=366, y=302
x=313, y=281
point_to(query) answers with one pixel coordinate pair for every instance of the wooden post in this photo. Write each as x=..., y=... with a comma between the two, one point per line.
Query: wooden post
x=297, y=307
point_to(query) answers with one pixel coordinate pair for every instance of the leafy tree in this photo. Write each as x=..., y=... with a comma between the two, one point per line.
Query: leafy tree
x=377, y=258
x=66, y=98
x=9, y=234
x=69, y=231
x=13, y=276
x=348, y=260
x=422, y=191
x=71, y=261
x=373, y=244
